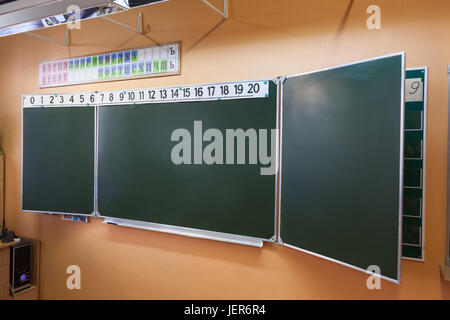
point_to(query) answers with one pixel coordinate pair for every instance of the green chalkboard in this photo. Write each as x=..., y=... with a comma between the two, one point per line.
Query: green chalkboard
x=137, y=179
x=341, y=155
x=58, y=160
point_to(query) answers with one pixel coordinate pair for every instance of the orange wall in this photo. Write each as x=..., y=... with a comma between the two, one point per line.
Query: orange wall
x=262, y=38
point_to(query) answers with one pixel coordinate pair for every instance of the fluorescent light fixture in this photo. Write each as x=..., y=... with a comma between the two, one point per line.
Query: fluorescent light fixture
x=57, y=20
x=43, y=9
x=136, y=3
x=17, y=16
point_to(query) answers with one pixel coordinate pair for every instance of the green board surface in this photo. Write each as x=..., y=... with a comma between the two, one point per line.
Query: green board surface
x=137, y=179
x=340, y=185
x=58, y=160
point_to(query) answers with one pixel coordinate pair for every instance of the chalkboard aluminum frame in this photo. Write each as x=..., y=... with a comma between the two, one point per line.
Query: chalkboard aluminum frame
x=93, y=214
x=192, y=232
x=423, y=158
x=402, y=139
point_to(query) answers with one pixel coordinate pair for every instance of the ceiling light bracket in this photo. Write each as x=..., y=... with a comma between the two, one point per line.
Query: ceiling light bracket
x=139, y=29
x=223, y=13
x=66, y=42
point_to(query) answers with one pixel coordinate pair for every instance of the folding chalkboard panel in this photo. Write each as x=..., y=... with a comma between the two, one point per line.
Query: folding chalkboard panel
x=58, y=160
x=341, y=163
x=138, y=181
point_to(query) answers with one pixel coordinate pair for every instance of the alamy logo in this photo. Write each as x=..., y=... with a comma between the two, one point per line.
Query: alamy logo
x=374, y=20
x=374, y=280
x=235, y=140
x=74, y=17
x=74, y=280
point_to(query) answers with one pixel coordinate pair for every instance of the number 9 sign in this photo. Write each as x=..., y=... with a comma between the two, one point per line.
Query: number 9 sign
x=413, y=89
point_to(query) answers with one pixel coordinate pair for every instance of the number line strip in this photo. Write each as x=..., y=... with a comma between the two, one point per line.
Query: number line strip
x=242, y=90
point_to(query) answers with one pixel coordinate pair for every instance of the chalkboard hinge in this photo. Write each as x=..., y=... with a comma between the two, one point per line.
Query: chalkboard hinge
x=95, y=214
